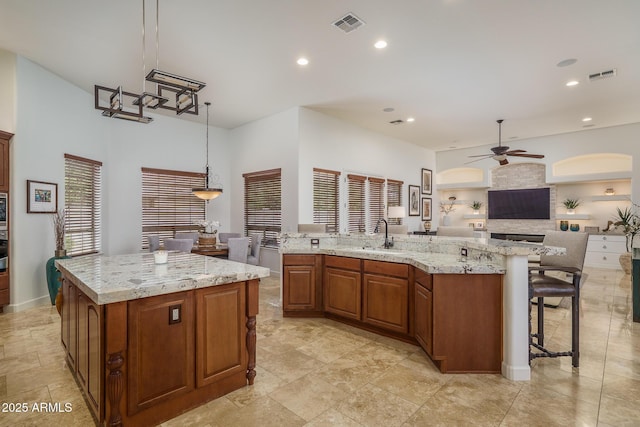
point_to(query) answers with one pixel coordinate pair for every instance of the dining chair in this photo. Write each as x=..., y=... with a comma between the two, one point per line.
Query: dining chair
x=193, y=235
x=154, y=242
x=254, y=255
x=224, y=237
x=543, y=285
x=181, y=245
x=238, y=249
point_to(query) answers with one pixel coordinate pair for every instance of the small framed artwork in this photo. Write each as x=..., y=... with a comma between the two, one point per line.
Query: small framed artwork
x=426, y=181
x=414, y=200
x=426, y=208
x=479, y=225
x=42, y=197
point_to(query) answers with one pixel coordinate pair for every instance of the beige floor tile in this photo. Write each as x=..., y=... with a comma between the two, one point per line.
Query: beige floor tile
x=308, y=396
x=332, y=418
x=622, y=388
x=619, y=412
x=265, y=383
x=16, y=364
x=3, y=387
x=263, y=412
x=440, y=411
x=411, y=381
x=290, y=365
x=372, y=406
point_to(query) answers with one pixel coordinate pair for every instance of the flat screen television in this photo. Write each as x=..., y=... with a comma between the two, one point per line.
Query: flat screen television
x=526, y=203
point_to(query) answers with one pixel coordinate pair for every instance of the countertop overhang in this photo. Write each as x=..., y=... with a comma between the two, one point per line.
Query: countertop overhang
x=109, y=279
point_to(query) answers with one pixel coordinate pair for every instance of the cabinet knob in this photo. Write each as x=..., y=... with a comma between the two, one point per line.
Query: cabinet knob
x=604, y=237
x=604, y=258
x=604, y=246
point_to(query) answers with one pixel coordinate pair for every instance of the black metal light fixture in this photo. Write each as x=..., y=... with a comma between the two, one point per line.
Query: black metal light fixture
x=129, y=106
x=208, y=193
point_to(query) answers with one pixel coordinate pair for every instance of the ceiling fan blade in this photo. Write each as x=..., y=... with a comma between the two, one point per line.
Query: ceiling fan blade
x=533, y=156
x=476, y=160
x=504, y=162
x=515, y=151
x=482, y=155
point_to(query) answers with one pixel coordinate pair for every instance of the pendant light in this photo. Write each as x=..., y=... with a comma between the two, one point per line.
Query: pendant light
x=208, y=193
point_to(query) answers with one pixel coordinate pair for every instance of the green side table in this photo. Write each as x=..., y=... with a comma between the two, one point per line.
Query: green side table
x=53, y=278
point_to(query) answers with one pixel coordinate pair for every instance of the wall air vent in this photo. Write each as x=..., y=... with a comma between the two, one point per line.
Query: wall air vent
x=603, y=75
x=349, y=22
x=396, y=122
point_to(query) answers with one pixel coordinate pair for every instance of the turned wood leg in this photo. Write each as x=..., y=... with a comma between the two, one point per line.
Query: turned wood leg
x=251, y=348
x=59, y=300
x=115, y=387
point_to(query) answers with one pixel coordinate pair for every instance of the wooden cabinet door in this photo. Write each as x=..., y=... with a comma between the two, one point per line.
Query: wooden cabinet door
x=424, y=317
x=4, y=289
x=221, y=332
x=4, y=165
x=343, y=292
x=299, y=287
x=90, y=354
x=69, y=322
x=385, y=302
x=161, y=355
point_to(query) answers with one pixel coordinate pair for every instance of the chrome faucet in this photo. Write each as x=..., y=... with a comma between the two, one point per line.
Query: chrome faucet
x=387, y=244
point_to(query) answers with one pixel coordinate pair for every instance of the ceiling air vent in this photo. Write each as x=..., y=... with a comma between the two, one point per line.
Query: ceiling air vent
x=349, y=22
x=396, y=122
x=603, y=75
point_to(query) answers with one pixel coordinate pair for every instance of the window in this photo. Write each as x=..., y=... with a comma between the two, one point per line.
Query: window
x=263, y=205
x=394, y=197
x=376, y=201
x=355, y=188
x=82, y=204
x=326, y=198
x=168, y=204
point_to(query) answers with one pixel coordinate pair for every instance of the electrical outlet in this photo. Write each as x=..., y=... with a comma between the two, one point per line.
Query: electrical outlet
x=175, y=314
x=463, y=251
x=315, y=243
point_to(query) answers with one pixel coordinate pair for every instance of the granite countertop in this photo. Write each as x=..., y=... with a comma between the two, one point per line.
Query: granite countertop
x=431, y=254
x=109, y=279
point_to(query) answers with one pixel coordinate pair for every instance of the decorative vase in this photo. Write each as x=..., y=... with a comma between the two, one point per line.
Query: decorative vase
x=427, y=226
x=53, y=275
x=446, y=220
x=476, y=211
x=625, y=262
x=207, y=239
x=574, y=227
x=571, y=211
x=564, y=225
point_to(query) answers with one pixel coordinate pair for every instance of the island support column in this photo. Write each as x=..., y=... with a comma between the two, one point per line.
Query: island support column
x=515, y=361
x=116, y=346
x=252, y=311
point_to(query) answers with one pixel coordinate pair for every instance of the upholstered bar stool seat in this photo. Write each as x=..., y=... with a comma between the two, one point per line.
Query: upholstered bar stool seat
x=543, y=285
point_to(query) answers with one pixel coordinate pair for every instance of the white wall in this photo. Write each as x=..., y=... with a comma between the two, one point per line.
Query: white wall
x=55, y=117
x=329, y=143
x=7, y=91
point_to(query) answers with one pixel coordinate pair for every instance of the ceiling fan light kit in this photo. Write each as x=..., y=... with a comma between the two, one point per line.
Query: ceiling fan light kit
x=501, y=152
x=129, y=106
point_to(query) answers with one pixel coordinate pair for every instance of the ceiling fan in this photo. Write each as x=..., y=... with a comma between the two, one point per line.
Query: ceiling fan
x=501, y=152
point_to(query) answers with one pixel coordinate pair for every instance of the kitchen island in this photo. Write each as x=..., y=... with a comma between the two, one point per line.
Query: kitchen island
x=149, y=341
x=446, y=294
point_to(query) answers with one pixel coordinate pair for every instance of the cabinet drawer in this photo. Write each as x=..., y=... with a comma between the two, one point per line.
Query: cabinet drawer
x=605, y=238
x=602, y=260
x=612, y=246
x=342, y=262
x=386, y=268
x=423, y=278
x=299, y=259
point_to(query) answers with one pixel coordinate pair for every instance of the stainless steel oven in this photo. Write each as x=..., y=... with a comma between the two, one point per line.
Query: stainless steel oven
x=4, y=210
x=4, y=250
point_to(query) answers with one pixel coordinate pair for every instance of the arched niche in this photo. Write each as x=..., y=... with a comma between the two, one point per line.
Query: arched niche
x=456, y=177
x=597, y=164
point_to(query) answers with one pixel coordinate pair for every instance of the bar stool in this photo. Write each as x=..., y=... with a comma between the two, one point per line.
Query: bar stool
x=542, y=285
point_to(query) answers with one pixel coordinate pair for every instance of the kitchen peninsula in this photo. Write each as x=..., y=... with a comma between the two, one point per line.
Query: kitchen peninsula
x=149, y=341
x=446, y=294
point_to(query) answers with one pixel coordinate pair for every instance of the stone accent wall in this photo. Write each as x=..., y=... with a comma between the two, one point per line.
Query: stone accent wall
x=522, y=175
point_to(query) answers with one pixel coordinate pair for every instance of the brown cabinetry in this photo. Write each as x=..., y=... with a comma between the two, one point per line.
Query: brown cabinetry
x=4, y=161
x=423, y=297
x=5, y=137
x=4, y=289
x=302, y=285
x=89, y=358
x=385, y=296
x=343, y=287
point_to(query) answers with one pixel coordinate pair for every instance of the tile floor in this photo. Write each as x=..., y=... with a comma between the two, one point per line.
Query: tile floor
x=315, y=372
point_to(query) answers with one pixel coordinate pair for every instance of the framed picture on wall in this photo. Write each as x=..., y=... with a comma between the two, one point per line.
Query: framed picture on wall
x=42, y=197
x=426, y=181
x=414, y=200
x=426, y=208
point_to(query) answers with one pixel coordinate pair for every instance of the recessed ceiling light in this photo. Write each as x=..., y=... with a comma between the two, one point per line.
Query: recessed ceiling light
x=573, y=83
x=302, y=61
x=587, y=119
x=411, y=119
x=389, y=110
x=566, y=62
x=380, y=44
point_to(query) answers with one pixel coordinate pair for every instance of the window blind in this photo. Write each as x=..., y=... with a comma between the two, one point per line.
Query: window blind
x=394, y=197
x=168, y=204
x=82, y=204
x=355, y=188
x=376, y=201
x=326, y=198
x=263, y=205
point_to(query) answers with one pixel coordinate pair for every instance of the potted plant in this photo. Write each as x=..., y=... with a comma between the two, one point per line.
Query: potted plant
x=571, y=205
x=58, y=229
x=208, y=236
x=629, y=221
x=476, y=205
